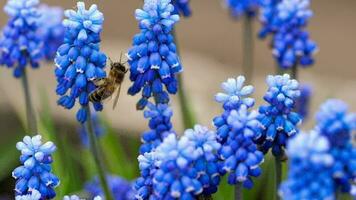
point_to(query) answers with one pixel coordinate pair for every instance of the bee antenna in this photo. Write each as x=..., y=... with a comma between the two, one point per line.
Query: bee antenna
x=120, y=56
x=111, y=62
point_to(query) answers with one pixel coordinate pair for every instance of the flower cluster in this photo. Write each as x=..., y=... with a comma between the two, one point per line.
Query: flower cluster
x=160, y=126
x=35, y=171
x=309, y=175
x=153, y=58
x=268, y=17
x=75, y=197
x=236, y=129
x=51, y=29
x=303, y=102
x=120, y=188
x=182, y=6
x=34, y=195
x=336, y=124
x=180, y=169
x=278, y=120
x=19, y=44
x=291, y=43
x=243, y=7
x=79, y=60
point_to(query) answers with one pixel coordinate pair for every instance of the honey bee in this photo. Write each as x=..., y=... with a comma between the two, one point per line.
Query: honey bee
x=107, y=86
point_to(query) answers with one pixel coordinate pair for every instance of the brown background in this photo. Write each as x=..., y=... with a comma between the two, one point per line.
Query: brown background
x=211, y=52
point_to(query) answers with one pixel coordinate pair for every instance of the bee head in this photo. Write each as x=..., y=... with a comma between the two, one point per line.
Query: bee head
x=118, y=67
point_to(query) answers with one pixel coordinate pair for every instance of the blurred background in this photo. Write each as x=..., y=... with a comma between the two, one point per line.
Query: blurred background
x=211, y=51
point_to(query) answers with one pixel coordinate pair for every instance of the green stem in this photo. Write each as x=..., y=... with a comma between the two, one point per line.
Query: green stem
x=188, y=116
x=30, y=112
x=278, y=174
x=94, y=148
x=294, y=71
x=238, y=191
x=247, y=61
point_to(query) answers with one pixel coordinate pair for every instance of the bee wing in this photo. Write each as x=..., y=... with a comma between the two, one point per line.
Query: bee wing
x=99, y=82
x=116, y=100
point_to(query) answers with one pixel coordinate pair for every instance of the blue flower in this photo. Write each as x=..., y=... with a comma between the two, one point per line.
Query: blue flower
x=35, y=171
x=302, y=105
x=75, y=197
x=79, y=60
x=144, y=185
x=182, y=6
x=51, y=29
x=239, y=154
x=20, y=44
x=160, y=126
x=278, y=120
x=309, y=175
x=153, y=57
x=291, y=43
x=120, y=188
x=98, y=129
x=268, y=17
x=243, y=7
x=337, y=124
x=34, y=195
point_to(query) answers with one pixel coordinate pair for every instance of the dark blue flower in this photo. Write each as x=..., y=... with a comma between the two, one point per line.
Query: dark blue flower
x=20, y=44
x=35, y=171
x=243, y=7
x=337, y=124
x=160, y=126
x=79, y=60
x=302, y=105
x=51, y=29
x=182, y=7
x=278, y=120
x=153, y=57
x=120, y=188
x=309, y=174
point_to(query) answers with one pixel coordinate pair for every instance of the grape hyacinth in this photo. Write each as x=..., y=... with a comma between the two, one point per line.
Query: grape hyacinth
x=337, y=124
x=35, y=171
x=238, y=8
x=302, y=105
x=235, y=94
x=268, y=17
x=20, y=44
x=51, y=29
x=309, y=175
x=279, y=122
x=34, y=195
x=153, y=57
x=292, y=45
x=240, y=156
x=144, y=185
x=75, y=197
x=79, y=60
x=182, y=7
x=120, y=188
x=160, y=126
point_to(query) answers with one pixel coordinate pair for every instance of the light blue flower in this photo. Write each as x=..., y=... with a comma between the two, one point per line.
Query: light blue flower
x=160, y=126
x=279, y=122
x=239, y=155
x=153, y=57
x=144, y=185
x=35, y=171
x=309, y=175
x=19, y=44
x=239, y=8
x=75, y=197
x=79, y=60
x=34, y=195
x=51, y=29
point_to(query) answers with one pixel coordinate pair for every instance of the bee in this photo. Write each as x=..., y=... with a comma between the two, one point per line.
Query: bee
x=107, y=86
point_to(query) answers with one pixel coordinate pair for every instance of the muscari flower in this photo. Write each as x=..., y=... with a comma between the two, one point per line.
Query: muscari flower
x=302, y=105
x=240, y=157
x=120, y=188
x=34, y=195
x=182, y=7
x=279, y=122
x=75, y=197
x=98, y=129
x=79, y=60
x=268, y=17
x=291, y=43
x=160, y=126
x=20, y=44
x=337, y=124
x=51, y=29
x=239, y=8
x=235, y=94
x=309, y=175
x=144, y=185
x=153, y=57
x=35, y=171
